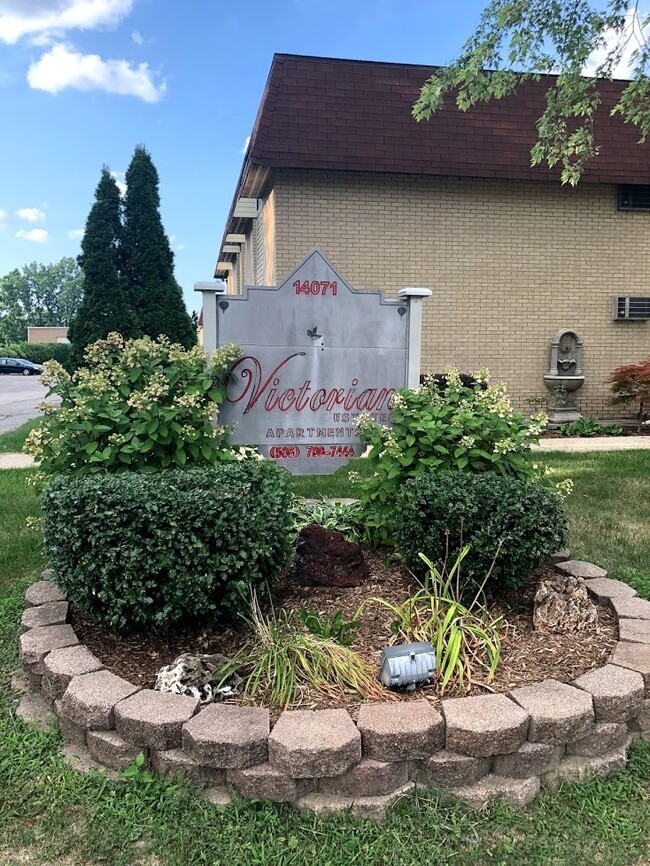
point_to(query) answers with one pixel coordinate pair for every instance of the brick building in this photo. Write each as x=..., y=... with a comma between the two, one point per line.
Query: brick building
x=335, y=160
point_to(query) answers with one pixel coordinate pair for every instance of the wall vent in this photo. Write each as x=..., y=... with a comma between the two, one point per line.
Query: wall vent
x=633, y=196
x=629, y=309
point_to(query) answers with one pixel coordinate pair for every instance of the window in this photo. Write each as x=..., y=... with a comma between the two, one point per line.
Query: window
x=634, y=197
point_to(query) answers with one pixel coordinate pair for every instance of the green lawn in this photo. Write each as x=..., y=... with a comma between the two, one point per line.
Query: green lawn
x=50, y=814
x=15, y=439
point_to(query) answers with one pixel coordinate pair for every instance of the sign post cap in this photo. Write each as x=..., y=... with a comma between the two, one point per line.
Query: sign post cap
x=414, y=292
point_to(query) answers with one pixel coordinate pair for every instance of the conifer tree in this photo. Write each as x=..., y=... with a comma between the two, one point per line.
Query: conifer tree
x=105, y=306
x=147, y=260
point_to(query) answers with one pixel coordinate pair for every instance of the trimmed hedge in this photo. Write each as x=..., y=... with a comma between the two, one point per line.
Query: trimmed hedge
x=442, y=511
x=38, y=353
x=138, y=551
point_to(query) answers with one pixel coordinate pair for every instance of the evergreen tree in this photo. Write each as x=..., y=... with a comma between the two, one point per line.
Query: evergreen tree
x=105, y=306
x=147, y=260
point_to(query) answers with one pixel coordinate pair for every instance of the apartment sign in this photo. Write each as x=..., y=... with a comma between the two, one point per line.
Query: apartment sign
x=315, y=356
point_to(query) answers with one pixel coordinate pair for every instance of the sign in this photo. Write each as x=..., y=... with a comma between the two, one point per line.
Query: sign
x=315, y=356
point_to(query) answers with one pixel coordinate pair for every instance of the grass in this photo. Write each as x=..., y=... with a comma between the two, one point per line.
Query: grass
x=14, y=440
x=48, y=813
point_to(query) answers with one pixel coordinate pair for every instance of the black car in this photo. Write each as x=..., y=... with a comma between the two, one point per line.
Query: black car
x=20, y=366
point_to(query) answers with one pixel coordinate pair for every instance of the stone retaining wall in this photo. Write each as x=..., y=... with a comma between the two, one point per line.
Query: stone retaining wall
x=477, y=748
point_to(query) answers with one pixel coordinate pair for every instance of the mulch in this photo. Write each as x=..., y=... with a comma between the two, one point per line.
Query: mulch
x=527, y=656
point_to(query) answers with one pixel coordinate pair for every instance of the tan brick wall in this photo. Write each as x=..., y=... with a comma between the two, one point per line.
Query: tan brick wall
x=46, y=335
x=509, y=263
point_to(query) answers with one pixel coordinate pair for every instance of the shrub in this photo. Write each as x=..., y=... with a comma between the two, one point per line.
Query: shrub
x=590, y=427
x=140, y=405
x=38, y=353
x=137, y=551
x=518, y=522
x=443, y=425
x=631, y=384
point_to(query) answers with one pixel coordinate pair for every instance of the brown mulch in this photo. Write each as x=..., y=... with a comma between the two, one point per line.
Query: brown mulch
x=527, y=656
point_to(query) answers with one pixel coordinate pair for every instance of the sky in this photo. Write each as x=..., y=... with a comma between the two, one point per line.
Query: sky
x=82, y=82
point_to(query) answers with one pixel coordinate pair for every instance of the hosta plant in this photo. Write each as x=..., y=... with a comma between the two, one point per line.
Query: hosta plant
x=343, y=517
x=334, y=627
x=137, y=405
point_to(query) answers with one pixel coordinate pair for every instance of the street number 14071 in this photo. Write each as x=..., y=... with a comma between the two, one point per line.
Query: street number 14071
x=315, y=287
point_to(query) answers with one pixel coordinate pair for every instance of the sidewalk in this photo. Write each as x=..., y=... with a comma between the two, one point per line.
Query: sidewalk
x=12, y=460
x=595, y=443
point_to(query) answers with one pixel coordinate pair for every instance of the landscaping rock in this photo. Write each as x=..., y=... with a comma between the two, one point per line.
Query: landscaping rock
x=305, y=744
x=577, y=769
x=531, y=759
x=617, y=692
x=560, y=556
x=70, y=731
x=228, y=737
x=265, y=782
x=605, y=737
x=325, y=558
x=177, y=764
x=38, y=642
x=62, y=665
x=375, y=808
x=21, y=682
x=629, y=607
x=90, y=699
x=198, y=676
x=47, y=574
x=604, y=589
x=52, y=613
x=368, y=779
x=450, y=770
x=154, y=719
x=636, y=657
x=400, y=731
x=634, y=630
x=485, y=725
x=578, y=568
x=218, y=796
x=558, y=712
x=517, y=792
x=324, y=804
x=563, y=605
x=35, y=710
x=79, y=758
x=108, y=748
x=42, y=592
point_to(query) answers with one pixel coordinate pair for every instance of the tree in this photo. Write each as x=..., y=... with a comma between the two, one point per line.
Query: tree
x=582, y=42
x=105, y=306
x=38, y=295
x=147, y=260
x=631, y=384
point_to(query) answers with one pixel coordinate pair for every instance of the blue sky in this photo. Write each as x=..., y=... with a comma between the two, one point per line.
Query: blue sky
x=189, y=75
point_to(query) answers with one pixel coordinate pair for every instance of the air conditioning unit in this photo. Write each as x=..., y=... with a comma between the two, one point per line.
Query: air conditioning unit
x=630, y=309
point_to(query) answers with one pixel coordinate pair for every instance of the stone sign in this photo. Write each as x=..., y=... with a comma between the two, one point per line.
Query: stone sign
x=315, y=355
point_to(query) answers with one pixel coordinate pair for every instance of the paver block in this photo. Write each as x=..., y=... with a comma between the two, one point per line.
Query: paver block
x=530, y=759
x=485, y=725
x=227, y=737
x=218, y=796
x=265, y=782
x=517, y=792
x=558, y=712
x=605, y=737
x=629, y=607
x=62, y=665
x=79, y=758
x=323, y=804
x=52, y=613
x=42, y=592
x=47, y=574
x=450, y=769
x=562, y=555
x=90, y=699
x=154, y=719
x=641, y=721
x=636, y=657
x=38, y=642
x=176, y=764
x=403, y=731
x=604, y=589
x=111, y=750
x=36, y=710
x=617, y=692
x=70, y=731
x=307, y=744
x=634, y=630
x=375, y=808
x=579, y=568
x=368, y=779
x=21, y=683
x=577, y=769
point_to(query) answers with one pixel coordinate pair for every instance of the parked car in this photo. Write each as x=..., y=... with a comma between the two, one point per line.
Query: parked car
x=20, y=366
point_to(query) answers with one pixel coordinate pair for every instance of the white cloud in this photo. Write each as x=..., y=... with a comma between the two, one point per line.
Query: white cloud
x=64, y=67
x=31, y=214
x=38, y=236
x=3, y=218
x=246, y=143
x=631, y=40
x=76, y=234
x=137, y=37
x=120, y=179
x=179, y=248
x=42, y=18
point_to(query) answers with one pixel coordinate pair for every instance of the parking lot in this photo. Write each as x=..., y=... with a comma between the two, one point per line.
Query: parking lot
x=19, y=400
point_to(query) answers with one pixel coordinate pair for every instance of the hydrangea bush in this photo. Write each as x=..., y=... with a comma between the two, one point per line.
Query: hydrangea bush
x=444, y=424
x=137, y=405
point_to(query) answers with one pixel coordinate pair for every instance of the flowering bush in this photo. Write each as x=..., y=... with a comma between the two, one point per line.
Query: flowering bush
x=631, y=384
x=138, y=405
x=444, y=424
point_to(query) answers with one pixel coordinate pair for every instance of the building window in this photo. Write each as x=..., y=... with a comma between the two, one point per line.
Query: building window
x=634, y=196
